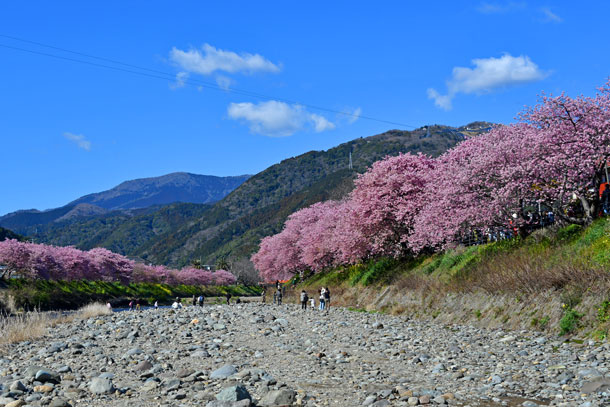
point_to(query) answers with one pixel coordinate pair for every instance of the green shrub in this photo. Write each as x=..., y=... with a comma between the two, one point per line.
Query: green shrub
x=570, y=321
x=603, y=312
x=568, y=233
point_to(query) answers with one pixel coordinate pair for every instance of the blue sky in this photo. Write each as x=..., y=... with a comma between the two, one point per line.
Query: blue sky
x=69, y=129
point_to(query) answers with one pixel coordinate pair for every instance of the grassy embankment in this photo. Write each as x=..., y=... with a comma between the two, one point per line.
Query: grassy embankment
x=555, y=280
x=67, y=295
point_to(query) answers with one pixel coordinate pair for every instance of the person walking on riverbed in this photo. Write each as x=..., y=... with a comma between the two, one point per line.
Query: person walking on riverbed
x=322, y=293
x=304, y=299
x=327, y=299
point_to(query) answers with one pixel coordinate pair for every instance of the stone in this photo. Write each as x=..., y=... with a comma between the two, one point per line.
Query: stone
x=47, y=376
x=16, y=403
x=369, y=400
x=149, y=385
x=439, y=400
x=143, y=366
x=17, y=385
x=45, y=388
x=100, y=385
x=223, y=372
x=595, y=386
x=234, y=393
x=31, y=371
x=59, y=402
x=283, y=397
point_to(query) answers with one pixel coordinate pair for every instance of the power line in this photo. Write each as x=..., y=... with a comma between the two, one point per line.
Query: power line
x=167, y=76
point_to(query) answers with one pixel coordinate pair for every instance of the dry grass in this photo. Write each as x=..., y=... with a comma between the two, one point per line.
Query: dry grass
x=533, y=274
x=23, y=327
x=93, y=310
x=33, y=325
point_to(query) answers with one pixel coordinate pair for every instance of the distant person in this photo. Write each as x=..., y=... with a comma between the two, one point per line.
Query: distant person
x=137, y=304
x=312, y=302
x=304, y=299
x=322, y=293
x=275, y=297
x=109, y=306
x=605, y=197
x=176, y=305
x=327, y=299
x=264, y=294
x=194, y=300
x=200, y=300
x=131, y=305
x=238, y=300
x=279, y=297
x=228, y=298
x=156, y=304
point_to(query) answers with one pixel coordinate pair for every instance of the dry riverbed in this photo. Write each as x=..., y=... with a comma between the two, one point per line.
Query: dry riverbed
x=265, y=355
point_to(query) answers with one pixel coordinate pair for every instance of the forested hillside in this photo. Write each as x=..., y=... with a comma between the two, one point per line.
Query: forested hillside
x=232, y=228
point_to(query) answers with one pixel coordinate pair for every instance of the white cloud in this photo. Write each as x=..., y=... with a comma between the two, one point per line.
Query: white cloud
x=549, y=16
x=487, y=75
x=500, y=8
x=79, y=140
x=181, y=78
x=355, y=115
x=224, y=82
x=321, y=123
x=277, y=119
x=213, y=59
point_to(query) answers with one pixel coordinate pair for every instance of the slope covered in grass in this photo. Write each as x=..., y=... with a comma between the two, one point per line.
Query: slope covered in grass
x=563, y=273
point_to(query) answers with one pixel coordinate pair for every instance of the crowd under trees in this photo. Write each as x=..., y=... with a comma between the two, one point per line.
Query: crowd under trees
x=555, y=156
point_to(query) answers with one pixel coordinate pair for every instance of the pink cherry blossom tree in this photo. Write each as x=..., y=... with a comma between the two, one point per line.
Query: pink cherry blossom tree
x=388, y=198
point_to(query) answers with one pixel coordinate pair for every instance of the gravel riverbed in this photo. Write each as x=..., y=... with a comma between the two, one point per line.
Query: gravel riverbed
x=266, y=355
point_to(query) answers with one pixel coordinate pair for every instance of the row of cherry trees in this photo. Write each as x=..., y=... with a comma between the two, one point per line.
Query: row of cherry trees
x=555, y=155
x=39, y=261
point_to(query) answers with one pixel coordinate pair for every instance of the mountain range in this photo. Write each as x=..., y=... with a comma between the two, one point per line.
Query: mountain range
x=134, y=220
x=127, y=196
